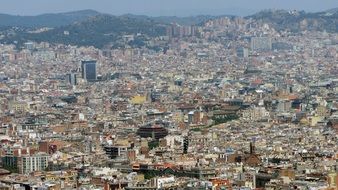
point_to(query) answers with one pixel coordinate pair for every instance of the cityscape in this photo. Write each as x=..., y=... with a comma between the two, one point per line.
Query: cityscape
x=95, y=101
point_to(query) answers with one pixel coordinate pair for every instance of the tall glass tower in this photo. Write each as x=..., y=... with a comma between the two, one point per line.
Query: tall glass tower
x=89, y=69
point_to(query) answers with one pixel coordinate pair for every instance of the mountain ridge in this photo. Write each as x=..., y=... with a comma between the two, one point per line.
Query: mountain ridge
x=296, y=21
x=46, y=20
x=95, y=31
x=91, y=28
x=66, y=18
x=52, y=20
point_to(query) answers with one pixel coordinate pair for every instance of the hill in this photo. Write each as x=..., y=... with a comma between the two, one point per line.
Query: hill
x=90, y=28
x=46, y=20
x=96, y=31
x=332, y=11
x=62, y=19
x=297, y=21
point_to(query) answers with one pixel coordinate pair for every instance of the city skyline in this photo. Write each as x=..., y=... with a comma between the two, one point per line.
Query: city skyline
x=123, y=95
x=163, y=8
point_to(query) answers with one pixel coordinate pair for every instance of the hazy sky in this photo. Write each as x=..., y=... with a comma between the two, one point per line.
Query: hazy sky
x=161, y=7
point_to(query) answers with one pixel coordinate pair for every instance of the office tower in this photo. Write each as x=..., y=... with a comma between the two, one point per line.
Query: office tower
x=89, y=69
x=261, y=44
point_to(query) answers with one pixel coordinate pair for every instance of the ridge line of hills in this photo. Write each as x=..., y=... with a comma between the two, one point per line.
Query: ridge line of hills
x=91, y=28
x=61, y=19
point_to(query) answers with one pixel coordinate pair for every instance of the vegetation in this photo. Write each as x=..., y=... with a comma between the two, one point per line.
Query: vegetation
x=97, y=31
x=150, y=174
x=46, y=20
x=225, y=119
x=196, y=129
x=12, y=169
x=153, y=144
x=90, y=28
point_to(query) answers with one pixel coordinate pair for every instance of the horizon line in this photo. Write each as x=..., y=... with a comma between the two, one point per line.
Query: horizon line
x=153, y=15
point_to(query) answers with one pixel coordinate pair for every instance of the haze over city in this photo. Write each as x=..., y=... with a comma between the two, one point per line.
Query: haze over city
x=162, y=7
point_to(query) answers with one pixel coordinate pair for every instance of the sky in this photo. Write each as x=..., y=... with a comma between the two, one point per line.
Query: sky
x=162, y=7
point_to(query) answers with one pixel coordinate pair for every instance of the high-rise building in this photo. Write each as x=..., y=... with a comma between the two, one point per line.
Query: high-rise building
x=176, y=30
x=89, y=70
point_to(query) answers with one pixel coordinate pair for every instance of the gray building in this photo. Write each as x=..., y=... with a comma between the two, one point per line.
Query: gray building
x=89, y=70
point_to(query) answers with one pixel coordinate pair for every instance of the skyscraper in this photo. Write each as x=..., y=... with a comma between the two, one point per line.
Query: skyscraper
x=88, y=69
